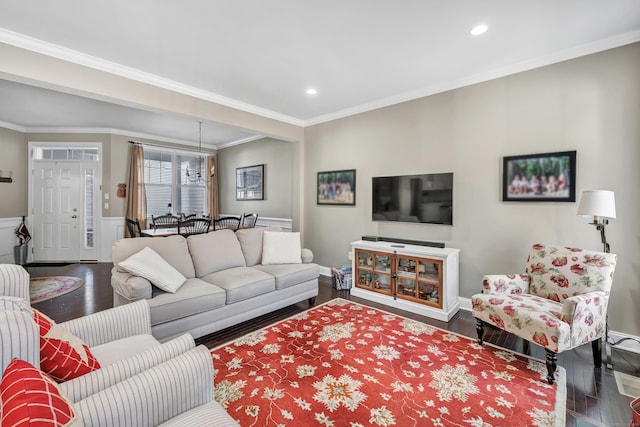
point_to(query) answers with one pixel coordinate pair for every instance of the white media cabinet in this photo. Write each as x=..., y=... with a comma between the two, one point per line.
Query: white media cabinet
x=419, y=279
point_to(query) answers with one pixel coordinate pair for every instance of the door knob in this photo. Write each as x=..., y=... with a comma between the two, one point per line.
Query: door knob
x=74, y=216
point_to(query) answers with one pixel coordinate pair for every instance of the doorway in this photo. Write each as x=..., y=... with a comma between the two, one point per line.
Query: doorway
x=64, y=201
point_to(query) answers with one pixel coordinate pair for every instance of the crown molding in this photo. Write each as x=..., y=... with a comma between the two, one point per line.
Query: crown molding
x=127, y=133
x=70, y=55
x=563, y=55
x=241, y=141
x=121, y=132
x=59, y=52
x=12, y=126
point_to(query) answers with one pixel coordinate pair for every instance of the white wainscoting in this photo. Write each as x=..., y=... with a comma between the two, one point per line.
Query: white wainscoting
x=8, y=239
x=111, y=230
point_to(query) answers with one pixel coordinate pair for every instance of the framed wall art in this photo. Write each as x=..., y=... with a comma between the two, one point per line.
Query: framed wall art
x=250, y=183
x=547, y=177
x=337, y=187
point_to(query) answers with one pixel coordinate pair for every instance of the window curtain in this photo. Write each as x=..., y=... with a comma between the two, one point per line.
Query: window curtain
x=136, y=197
x=212, y=186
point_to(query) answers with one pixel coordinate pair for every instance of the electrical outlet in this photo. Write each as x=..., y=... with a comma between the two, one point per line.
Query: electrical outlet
x=106, y=196
x=350, y=256
x=106, y=205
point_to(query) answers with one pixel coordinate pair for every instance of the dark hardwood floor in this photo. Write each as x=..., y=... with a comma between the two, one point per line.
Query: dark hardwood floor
x=592, y=395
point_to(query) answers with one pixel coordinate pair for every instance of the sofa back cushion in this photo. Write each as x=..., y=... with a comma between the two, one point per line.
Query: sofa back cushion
x=172, y=249
x=558, y=272
x=251, y=243
x=215, y=251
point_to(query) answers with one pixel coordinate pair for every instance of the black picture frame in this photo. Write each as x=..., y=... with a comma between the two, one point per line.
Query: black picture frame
x=548, y=177
x=337, y=188
x=250, y=183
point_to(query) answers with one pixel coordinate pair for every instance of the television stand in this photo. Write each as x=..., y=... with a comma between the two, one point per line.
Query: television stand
x=419, y=279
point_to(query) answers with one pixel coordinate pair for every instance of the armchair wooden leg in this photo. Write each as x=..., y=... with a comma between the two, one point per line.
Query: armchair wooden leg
x=312, y=301
x=596, y=348
x=552, y=364
x=480, y=330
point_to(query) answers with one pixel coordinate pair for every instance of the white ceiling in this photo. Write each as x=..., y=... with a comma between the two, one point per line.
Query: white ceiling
x=261, y=56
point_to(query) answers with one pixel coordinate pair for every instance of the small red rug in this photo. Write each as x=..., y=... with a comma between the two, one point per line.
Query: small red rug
x=345, y=364
x=44, y=288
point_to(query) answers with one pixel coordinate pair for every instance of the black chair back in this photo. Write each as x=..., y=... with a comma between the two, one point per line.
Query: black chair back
x=194, y=225
x=249, y=220
x=133, y=226
x=230, y=222
x=164, y=221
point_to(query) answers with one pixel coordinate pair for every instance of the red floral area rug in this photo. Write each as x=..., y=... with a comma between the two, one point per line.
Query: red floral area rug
x=345, y=364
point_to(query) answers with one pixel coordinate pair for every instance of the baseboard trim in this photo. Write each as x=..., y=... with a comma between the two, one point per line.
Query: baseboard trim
x=324, y=271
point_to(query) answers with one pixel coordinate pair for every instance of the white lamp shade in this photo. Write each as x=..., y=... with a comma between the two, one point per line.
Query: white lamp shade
x=597, y=203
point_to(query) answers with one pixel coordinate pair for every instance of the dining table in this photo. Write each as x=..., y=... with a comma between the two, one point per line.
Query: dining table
x=160, y=232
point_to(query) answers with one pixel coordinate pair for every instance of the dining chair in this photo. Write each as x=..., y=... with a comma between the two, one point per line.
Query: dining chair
x=133, y=226
x=164, y=221
x=249, y=220
x=194, y=225
x=228, y=222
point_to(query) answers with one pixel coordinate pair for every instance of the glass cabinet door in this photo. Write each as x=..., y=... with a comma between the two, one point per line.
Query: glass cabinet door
x=373, y=271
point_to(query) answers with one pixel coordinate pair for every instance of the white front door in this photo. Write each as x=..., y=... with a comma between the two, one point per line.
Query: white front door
x=57, y=211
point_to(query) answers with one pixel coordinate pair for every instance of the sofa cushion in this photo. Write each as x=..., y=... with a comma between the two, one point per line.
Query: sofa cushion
x=111, y=352
x=281, y=248
x=63, y=355
x=172, y=249
x=30, y=397
x=241, y=283
x=148, y=264
x=251, y=243
x=195, y=296
x=215, y=251
x=290, y=274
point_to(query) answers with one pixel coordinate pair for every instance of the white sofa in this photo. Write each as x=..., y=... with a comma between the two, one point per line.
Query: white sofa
x=136, y=370
x=226, y=284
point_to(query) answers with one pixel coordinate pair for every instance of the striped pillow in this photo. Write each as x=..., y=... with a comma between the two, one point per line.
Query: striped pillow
x=29, y=397
x=63, y=355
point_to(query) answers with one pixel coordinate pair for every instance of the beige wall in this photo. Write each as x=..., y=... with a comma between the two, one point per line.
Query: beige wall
x=278, y=159
x=13, y=158
x=590, y=104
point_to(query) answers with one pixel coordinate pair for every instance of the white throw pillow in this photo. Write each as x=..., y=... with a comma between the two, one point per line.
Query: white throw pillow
x=281, y=248
x=148, y=264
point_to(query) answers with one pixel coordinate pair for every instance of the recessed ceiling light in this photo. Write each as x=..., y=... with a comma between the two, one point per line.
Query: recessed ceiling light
x=479, y=29
x=311, y=91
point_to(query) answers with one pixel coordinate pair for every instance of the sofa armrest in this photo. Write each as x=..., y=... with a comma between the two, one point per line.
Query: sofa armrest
x=14, y=281
x=587, y=315
x=129, y=286
x=509, y=284
x=113, y=324
x=98, y=380
x=19, y=337
x=587, y=307
x=306, y=255
x=155, y=395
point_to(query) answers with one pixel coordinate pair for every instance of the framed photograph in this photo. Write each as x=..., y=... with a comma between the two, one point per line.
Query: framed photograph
x=548, y=177
x=250, y=183
x=337, y=187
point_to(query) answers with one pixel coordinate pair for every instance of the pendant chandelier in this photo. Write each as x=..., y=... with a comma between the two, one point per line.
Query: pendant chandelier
x=197, y=175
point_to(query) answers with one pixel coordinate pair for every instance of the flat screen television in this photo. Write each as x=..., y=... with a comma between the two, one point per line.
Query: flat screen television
x=426, y=198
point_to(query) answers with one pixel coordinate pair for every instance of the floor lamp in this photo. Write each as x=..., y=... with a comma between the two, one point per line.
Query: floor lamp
x=601, y=206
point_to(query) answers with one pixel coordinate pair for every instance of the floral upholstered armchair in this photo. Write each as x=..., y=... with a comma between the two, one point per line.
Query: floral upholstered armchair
x=560, y=303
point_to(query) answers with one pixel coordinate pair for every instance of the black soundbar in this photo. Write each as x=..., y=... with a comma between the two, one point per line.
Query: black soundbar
x=403, y=241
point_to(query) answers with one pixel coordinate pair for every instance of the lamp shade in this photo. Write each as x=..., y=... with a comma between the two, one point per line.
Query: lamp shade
x=597, y=203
